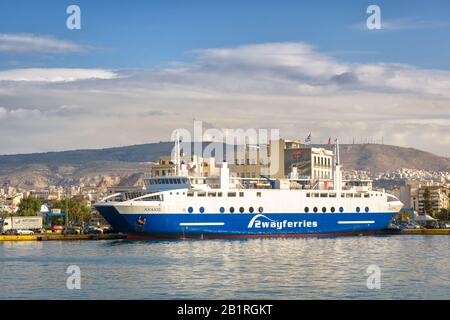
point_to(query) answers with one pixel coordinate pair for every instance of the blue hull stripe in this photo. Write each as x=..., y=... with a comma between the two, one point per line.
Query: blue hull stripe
x=245, y=224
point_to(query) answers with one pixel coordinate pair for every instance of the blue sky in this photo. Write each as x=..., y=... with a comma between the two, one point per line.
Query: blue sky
x=138, y=70
x=145, y=34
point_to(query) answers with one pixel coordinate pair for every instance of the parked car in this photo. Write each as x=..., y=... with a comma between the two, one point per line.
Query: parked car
x=412, y=226
x=94, y=231
x=71, y=231
x=24, y=232
x=108, y=230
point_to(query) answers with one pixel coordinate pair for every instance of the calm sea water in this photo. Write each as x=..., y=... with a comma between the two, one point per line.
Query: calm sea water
x=412, y=267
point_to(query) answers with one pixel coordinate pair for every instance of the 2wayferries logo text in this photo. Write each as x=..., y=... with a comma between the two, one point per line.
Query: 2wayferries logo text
x=260, y=221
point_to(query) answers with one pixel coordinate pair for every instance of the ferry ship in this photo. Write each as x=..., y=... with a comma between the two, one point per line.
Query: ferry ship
x=183, y=206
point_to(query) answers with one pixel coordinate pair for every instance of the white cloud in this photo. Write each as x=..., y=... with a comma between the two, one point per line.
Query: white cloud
x=30, y=43
x=290, y=86
x=55, y=74
x=19, y=113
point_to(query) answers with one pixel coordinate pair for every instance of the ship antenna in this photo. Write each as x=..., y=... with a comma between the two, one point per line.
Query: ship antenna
x=337, y=167
x=177, y=154
x=337, y=152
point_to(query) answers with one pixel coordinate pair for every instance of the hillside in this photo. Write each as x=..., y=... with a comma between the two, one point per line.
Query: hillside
x=127, y=164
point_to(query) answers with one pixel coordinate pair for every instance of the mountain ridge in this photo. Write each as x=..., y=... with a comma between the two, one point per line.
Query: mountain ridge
x=91, y=166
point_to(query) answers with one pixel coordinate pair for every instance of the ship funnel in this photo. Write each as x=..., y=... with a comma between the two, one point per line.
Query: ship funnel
x=224, y=176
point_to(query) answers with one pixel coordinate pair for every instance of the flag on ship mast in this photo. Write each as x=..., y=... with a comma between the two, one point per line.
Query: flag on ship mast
x=308, y=139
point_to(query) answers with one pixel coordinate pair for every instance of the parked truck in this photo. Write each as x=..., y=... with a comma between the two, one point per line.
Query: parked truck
x=20, y=225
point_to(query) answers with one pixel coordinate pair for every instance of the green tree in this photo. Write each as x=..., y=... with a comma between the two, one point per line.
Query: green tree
x=443, y=215
x=4, y=214
x=29, y=206
x=78, y=212
x=427, y=206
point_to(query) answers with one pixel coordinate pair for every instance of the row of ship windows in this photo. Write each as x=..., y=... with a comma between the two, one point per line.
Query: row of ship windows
x=261, y=209
x=222, y=210
x=168, y=181
x=258, y=194
x=343, y=195
x=218, y=194
x=333, y=209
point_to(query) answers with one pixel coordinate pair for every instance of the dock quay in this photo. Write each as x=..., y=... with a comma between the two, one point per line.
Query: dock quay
x=418, y=231
x=52, y=237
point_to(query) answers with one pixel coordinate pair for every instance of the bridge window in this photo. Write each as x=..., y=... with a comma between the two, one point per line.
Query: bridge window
x=232, y=194
x=366, y=195
x=211, y=194
x=349, y=195
x=219, y=194
x=153, y=198
x=258, y=194
x=241, y=194
x=391, y=199
x=357, y=195
x=201, y=194
x=190, y=194
x=308, y=195
x=324, y=195
x=332, y=195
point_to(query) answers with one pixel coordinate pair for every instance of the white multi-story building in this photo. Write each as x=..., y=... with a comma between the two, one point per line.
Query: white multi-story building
x=438, y=198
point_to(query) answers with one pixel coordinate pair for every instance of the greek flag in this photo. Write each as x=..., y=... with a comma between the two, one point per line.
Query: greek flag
x=308, y=138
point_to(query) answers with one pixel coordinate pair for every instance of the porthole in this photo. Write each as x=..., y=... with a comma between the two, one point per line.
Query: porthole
x=358, y=209
x=315, y=209
x=332, y=209
x=260, y=209
x=222, y=209
x=231, y=209
x=306, y=209
x=251, y=209
x=190, y=209
x=324, y=209
x=366, y=209
x=202, y=209
x=341, y=209
x=241, y=209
